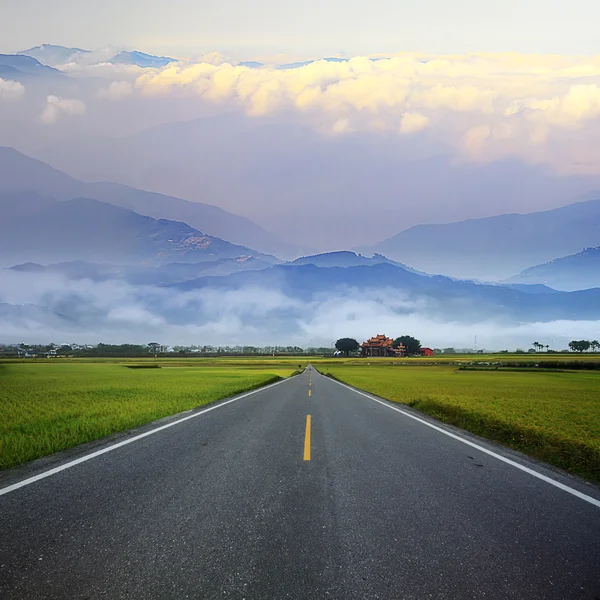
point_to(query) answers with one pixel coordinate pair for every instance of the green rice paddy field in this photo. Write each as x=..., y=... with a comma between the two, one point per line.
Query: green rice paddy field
x=49, y=406
x=53, y=404
x=552, y=416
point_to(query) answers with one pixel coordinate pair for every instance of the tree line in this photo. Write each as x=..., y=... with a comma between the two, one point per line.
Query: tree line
x=584, y=345
x=152, y=349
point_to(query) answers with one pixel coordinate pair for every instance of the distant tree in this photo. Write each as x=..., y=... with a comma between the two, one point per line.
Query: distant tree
x=153, y=347
x=595, y=345
x=449, y=351
x=412, y=345
x=579, y=345
x=347, y=345
x=537, y=346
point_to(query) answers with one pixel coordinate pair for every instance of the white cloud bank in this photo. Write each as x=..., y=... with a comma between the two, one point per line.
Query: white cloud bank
x=10, y=90
x=56, y=107
x=486, y=105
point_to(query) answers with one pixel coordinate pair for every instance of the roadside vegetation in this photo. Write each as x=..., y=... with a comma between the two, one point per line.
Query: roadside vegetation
x=51, y=405
x=552, y=416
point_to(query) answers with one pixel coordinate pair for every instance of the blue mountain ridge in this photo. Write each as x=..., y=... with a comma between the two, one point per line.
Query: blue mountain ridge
x=442, y=297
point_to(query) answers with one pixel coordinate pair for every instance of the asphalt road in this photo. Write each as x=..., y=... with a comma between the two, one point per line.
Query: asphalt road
x=239, y=502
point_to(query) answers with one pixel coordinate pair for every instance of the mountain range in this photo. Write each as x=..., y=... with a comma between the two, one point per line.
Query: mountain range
x=435, y=296
x=51, y=55
x=21, y=173
x=22, y=68
x=491, y=249
x=170, y=273
x=574, y=272
x=495, y=247
x=36, y=228
x=278, y=302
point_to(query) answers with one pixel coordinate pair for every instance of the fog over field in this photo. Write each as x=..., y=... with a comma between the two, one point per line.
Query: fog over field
x=84, y=311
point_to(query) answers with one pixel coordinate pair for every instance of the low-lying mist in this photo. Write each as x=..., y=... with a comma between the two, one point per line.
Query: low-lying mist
x=49, y=308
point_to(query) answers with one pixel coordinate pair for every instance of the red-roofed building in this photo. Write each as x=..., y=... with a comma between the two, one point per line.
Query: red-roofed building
x=426, y=352
x=380, y=345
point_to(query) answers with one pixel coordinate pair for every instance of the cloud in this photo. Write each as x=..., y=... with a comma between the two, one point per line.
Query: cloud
x=413, y=122
x=10, y=90
x=55, y=107
x=106, y=70
x=524, y=102
x=117, y=90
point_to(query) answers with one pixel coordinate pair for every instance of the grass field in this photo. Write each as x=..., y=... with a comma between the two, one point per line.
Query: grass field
x=303, y=360
x=551, y=416
x=50, y=405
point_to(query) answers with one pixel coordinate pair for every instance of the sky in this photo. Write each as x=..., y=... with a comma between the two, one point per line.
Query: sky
x=311, y=27
x=440, y=111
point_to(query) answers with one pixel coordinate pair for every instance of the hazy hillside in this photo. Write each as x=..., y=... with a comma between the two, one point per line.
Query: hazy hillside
x=94, y=231
x=496, y=247
x=575, y=272
x=22, y=173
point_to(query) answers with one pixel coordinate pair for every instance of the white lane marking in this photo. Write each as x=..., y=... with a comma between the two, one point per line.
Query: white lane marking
x=512, y=463
x=77, y=461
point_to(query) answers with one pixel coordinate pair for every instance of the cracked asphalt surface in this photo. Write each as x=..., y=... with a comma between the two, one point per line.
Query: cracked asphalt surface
x=225, y=506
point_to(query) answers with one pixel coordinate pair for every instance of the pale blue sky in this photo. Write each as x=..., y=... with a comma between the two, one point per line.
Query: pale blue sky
x=307, y=27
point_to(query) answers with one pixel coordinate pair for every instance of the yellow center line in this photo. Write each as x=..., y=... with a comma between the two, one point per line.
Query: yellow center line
x=310, y=392
x=307, y=439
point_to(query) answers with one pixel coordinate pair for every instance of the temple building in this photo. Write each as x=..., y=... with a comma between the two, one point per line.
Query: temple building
x=380, y=345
